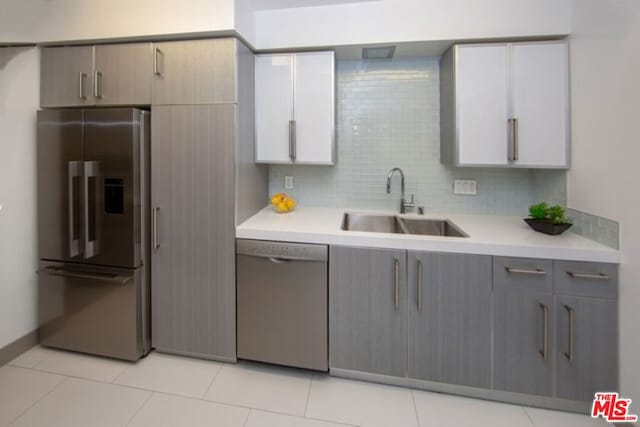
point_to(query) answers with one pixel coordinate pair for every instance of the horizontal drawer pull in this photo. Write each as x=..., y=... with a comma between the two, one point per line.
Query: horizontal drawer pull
x=598, y=276
x=536, y=272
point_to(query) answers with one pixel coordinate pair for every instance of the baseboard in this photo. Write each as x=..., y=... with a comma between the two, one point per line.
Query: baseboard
x=19, y=346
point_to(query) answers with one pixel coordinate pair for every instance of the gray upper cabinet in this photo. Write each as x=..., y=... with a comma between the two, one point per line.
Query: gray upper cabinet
x=367, y=310
x=450, y=318
x=523, y=319
x=66, y=76
x=195, y=72
x=193, y=254
x=587, y=329
x=123, y=74
x=117, y=74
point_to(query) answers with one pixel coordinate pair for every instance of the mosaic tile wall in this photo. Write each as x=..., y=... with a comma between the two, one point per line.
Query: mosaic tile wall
x=600, y=229
x=388, y=116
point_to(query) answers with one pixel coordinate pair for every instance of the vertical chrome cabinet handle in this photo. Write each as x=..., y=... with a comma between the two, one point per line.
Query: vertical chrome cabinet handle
x=91, y=247
x=97, y=84
x=154, y=228
x=512, y=155
x=74, y=242
x=292, y=140
x=419, y=285
x=396, y=292
x=156, y=61
x=544, y=352
x=81, y=77
x=571, y=318
x=515, y=139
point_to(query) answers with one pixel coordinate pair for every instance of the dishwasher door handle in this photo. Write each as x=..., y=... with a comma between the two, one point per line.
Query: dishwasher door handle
x=279, y=260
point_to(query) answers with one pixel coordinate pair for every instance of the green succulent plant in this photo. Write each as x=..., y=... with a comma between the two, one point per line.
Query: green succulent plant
x=554, y=214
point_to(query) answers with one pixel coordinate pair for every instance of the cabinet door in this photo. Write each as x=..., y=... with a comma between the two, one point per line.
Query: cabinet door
x=195, y=72
x=587, y=347
x=66, y=78
x=523, y=325
x=123, y=74
x=314, y=107
x=482, y=104
x=450, y=318
x=367, y=310
x=193, y=259
x=540, y=91
x=274, y=108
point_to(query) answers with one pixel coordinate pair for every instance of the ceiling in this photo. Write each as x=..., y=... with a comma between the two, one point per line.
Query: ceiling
x=286, y=4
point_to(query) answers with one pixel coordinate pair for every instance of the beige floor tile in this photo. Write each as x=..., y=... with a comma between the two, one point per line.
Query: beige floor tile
x=436, y=410
x=270, y=419
x=170, y=374
x=82, y=366
x=548, y=418
x=32, y=357
x=20, y=389
x=82, y=403
x=262, y=387
x=164, y=410
x=360, y=403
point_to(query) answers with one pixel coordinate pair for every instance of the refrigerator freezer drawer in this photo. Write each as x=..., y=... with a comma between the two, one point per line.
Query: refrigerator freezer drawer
x=94, y=310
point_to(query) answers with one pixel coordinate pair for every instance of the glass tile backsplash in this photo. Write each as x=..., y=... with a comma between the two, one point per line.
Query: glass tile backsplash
x=388, y=116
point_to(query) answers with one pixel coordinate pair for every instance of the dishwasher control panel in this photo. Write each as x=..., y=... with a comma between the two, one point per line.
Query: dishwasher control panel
x=282, y=250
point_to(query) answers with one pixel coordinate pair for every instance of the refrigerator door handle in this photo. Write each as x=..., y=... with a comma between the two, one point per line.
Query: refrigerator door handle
x=91, y=245
x=102, y=277
x=74, y=171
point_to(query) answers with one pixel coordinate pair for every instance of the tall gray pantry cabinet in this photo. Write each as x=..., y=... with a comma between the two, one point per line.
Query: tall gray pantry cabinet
x=204, y=183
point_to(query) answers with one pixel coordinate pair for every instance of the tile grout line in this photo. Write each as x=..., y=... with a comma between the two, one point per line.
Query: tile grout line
x=306, y=406
x=415, y=407
x=64, y=379
x=528, y=416
x=246, y=420
x=140, y=408
x=211, y=383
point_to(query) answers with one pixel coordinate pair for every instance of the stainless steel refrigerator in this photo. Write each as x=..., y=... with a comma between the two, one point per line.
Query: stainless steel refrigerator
x=93, y=211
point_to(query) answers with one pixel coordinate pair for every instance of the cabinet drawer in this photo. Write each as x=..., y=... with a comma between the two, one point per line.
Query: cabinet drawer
x=589, y=279
x=523, y=274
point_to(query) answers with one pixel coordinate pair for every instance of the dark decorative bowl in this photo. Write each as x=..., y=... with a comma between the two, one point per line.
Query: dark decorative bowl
x=547, y=227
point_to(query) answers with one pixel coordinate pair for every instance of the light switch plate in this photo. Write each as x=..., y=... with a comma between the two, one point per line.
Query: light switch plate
x=288, y=182
x=468, y=187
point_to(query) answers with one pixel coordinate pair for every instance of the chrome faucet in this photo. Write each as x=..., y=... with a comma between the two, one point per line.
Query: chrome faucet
x=403, y=203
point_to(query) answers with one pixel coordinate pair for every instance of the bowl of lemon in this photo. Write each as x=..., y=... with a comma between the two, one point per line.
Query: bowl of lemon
x=282, y=203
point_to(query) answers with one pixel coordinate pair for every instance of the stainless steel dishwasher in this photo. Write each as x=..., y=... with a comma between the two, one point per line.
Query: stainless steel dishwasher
x=282, y=303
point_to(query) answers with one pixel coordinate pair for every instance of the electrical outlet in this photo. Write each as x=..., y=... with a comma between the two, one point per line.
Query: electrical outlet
x=288, y=182
x=468, y=187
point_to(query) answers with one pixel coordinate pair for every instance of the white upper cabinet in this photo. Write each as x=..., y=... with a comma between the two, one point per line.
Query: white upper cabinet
x=295, y=108
x=505, y=105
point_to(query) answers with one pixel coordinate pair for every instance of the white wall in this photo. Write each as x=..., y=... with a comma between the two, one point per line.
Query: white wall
x=410, y=20
x=605, y=68
x=53, y=20
x=19, y=93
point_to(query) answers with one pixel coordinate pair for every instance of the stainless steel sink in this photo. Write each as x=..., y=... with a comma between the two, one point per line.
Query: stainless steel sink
x=398, y=225
x=433, y=227
x=374, y=223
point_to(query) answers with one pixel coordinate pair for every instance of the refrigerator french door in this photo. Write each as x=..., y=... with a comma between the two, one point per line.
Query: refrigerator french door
x=93, y=190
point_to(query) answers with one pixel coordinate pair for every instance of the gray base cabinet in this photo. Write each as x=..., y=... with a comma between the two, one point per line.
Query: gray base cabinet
x=587, y=329
x=367, y=310
x=450, y=318
x=523, y=310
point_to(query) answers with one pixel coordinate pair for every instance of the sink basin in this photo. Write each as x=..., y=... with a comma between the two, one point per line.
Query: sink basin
x=374, y=223
x=397, y=225
x=433, y=227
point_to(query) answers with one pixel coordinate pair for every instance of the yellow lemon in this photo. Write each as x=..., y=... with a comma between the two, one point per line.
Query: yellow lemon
x=290, y=203
x=275, y=199
x=282, y=207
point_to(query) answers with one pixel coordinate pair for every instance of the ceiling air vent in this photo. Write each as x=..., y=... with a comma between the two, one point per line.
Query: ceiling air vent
x=380, y=52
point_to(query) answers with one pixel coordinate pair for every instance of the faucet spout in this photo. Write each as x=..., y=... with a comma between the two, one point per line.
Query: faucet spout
x=391, y=172
x=403, y=203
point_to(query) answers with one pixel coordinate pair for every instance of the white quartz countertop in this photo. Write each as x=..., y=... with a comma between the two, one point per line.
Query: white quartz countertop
x=488, y=235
